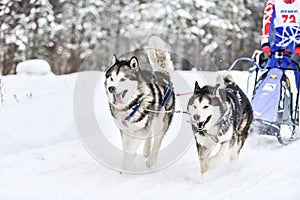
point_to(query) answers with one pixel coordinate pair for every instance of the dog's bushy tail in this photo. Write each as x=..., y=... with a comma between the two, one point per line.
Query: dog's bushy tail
x=224, y=79
x=158, y=55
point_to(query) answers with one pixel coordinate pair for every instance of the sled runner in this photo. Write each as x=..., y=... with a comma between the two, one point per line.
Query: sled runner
x=274, y=103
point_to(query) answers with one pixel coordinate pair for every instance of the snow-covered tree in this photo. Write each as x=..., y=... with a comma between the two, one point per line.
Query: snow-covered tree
x=209, y=34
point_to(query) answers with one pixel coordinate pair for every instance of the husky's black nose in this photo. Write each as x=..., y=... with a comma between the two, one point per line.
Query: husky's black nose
x=196, y=117
x=112, y=89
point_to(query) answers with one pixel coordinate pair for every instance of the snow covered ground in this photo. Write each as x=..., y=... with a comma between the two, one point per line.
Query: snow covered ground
x=41, y=156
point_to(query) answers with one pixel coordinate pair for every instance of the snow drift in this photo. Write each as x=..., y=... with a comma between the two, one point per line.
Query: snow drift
x=34, y=67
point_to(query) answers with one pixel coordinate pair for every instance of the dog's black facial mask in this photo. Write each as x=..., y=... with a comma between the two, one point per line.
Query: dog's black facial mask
x=206, y=90
x=132, y=65
x=215, y=95
x=197, y=94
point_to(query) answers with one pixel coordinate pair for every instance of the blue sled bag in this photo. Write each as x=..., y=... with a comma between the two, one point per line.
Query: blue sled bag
x=267, y=96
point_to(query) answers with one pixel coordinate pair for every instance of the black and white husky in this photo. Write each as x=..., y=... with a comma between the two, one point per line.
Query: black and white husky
x=220, y=118
x=141, y=102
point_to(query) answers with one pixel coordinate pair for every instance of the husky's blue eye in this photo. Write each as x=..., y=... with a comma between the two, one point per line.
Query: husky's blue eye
x=205, y=107
x=122, y=79
x=111, y=79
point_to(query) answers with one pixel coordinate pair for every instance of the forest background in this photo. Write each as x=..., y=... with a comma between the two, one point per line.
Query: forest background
x=210, y=34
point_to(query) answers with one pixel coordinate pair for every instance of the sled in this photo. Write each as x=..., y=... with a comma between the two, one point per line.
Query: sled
x=274, y=103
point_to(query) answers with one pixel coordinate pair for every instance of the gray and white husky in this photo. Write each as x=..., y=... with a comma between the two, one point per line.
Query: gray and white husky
x=220, y=118
x=141, y=101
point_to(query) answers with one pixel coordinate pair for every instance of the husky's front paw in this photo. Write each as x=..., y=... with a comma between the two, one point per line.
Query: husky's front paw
x=151, y=161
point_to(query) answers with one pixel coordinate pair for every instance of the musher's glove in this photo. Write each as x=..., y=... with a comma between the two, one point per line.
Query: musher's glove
x=266, y=48
x=263, y=58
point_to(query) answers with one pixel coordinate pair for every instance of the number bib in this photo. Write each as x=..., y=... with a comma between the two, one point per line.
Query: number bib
x=287, y=14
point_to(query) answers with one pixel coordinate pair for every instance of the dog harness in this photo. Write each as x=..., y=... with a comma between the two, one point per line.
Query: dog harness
x=165, y=99
x=215, y=138
x=167, y=94
x=126, y=120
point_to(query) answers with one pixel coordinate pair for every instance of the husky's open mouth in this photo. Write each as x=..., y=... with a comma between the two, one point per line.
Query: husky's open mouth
x=202, y=124
x=118, y=97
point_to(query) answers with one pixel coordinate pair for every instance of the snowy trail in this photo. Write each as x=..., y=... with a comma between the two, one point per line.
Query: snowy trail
x=66, y=171
x=41, y=157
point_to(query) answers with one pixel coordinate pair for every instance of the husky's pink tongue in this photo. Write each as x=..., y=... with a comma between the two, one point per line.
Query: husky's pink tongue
x=119, y=99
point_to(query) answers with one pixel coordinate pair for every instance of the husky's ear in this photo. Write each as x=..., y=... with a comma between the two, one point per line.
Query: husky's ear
x=134, y=63
x=197, y=88
x=219, y=92
x=216, y=90
x=114, y=59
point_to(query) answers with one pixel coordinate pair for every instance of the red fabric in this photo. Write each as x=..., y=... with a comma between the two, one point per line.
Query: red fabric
x=289, y=1
x=266, y=50
x=267, y=18
x=297, y=50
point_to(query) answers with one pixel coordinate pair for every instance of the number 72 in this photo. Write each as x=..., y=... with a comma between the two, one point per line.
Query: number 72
x=289, y=18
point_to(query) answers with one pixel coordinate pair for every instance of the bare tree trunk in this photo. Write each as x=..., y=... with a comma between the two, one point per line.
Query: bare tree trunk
x=234, y=39
x=34, y=48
